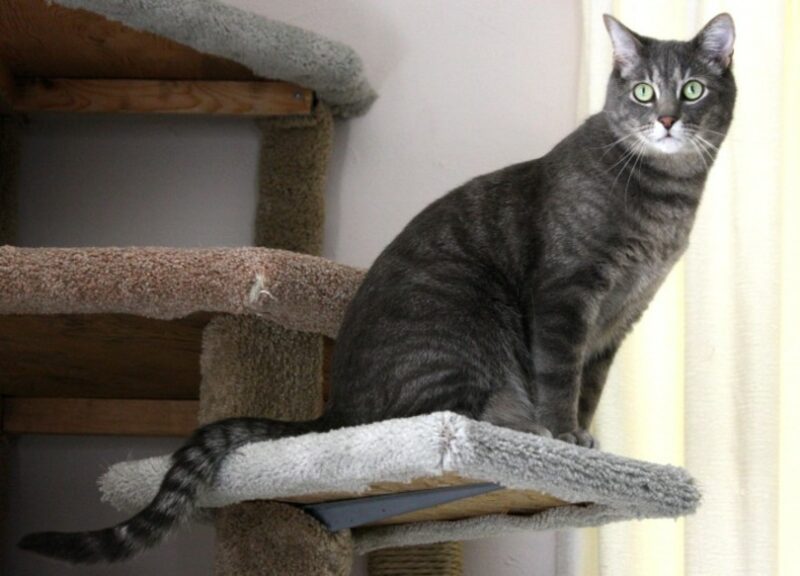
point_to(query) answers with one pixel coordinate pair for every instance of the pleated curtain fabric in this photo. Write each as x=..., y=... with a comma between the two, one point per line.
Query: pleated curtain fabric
x=710, y=378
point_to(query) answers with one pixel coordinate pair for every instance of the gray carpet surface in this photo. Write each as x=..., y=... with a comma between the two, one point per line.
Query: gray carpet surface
x=604, y=487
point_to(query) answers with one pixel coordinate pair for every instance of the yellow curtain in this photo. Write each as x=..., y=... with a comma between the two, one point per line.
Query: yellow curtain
x=710, y=379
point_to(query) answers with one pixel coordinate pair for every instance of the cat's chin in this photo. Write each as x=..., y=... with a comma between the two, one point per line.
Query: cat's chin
x=668, y=145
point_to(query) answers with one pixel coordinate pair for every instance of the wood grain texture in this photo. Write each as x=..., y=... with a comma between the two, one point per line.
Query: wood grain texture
x=445, y=480
x=100, y=356
x=99, y=416
x=7, y=89
x=38, y=40
x=499, y=502
x=516, y=502
x=163, y=97
x=105, y=356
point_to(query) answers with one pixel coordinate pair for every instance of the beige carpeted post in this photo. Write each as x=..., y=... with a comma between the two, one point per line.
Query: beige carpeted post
x=251, y=367
x=294, y=158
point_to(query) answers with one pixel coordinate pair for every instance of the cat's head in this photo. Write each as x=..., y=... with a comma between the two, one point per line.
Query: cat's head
x=669, y=97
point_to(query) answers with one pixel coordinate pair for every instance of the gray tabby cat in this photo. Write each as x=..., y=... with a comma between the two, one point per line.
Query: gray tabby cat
x=506, y=299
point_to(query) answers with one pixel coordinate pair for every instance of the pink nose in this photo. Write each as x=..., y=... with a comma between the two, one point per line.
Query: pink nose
x=667, y=121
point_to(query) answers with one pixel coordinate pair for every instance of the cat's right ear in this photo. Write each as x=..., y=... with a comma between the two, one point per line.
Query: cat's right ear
x=626, y=43
x=715, y=41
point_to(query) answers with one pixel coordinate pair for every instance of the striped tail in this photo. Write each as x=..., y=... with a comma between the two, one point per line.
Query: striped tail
x=194, y=465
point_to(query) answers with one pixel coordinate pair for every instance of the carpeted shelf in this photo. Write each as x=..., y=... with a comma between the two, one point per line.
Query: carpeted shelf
x=524, y=482
x=300, y=292
x=151, y=56
x=546, y=483
x=72, y=320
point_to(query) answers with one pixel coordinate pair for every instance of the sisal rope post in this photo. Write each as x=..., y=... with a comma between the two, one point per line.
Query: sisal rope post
x=445, y=559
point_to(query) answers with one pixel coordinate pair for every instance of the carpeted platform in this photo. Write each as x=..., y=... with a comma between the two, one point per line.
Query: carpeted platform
x=271, y=49
x=299, y=292
x=595, y=487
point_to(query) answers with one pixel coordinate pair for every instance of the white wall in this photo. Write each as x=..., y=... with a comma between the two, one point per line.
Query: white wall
x=466, y=86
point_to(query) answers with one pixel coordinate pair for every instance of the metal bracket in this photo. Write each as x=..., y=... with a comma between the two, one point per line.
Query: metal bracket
x=341, y=514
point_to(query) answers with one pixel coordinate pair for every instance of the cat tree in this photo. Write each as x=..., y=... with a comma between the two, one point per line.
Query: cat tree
x=253, y=326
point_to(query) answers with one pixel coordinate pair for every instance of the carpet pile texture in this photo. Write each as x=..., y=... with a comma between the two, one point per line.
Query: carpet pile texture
x=602, y=487
x=300, y=292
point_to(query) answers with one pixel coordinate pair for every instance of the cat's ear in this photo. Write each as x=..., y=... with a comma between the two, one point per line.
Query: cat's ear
x=627, y=44
x=715, y=41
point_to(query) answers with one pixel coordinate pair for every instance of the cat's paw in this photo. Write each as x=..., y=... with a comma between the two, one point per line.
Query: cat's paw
x=580, y=437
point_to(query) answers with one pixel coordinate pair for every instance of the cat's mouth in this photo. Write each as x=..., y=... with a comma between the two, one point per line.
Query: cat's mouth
x=666, y=140
x=668, y=144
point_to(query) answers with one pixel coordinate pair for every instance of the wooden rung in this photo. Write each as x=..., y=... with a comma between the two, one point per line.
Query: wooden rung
x=100, y=356
x=99, y=416
x=231, y=98
x=107, y=356
x=6, y=89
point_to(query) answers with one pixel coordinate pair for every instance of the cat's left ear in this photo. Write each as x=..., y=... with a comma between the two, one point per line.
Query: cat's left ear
x=627, y=44
x=715, y=41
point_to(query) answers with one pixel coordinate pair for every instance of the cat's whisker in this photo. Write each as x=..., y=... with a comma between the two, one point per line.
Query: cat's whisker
x=634, y=134
x=699, y=151
x=635, y=152
x=628, y=153
x=697, y=128
x=708, y=154
x=710, y=145
x=615, y=142
x=693, y=131
x=639, y=154
x=630, y=150
x=627, y=157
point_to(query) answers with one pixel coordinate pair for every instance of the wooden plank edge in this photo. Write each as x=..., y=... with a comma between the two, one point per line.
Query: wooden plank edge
x=95, y=416
x=219, y=98
x=7, y=90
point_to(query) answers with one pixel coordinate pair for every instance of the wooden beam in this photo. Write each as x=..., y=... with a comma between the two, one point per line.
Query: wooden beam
x=6, y=89
x=100, y=356
x=106, y=356
x=99, y=416
x=163, y=97
x=506, y=501
x=39, y=39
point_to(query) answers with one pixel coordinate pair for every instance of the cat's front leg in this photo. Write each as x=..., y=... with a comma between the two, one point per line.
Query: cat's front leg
x=593, y=379
x=510, y=406
x=559, y=345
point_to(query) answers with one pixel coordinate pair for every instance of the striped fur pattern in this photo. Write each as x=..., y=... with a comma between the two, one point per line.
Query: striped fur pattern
x=506, y=299
x=195, y=465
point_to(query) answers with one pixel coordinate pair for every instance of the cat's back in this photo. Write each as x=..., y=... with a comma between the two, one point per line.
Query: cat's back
x=477, y=231
x=449, y=285
x=488, y=231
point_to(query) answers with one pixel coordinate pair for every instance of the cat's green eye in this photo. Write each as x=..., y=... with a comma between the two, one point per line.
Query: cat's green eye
x=692, y=90
x=644, y=92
